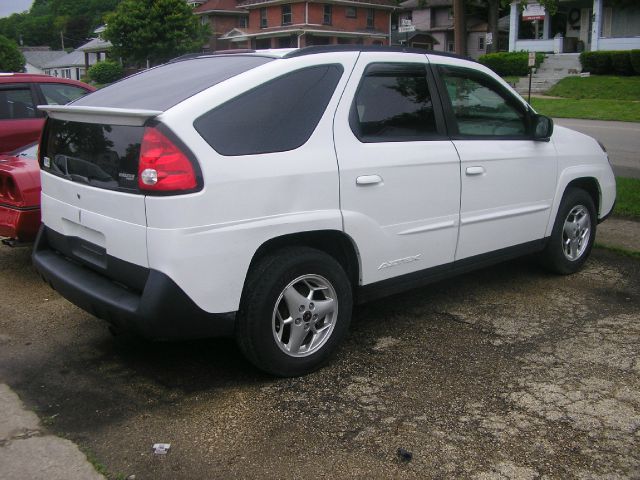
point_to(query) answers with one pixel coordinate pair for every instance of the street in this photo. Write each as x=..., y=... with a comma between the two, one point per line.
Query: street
x=508, y=372
x=621, y=139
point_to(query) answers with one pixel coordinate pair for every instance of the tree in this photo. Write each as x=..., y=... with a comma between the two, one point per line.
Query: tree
x=459, y=27
x=11, y=59
x=154, y=30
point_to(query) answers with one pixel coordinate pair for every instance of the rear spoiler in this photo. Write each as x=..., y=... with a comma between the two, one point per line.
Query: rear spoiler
x=104, y=115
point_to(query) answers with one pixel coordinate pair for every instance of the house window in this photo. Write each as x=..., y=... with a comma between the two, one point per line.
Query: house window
x=204, y=20
x=480, y=43
x=263, y=18
x=326, y=18
x=243, y=21
x=286, y=14
x=370, y=17
x=451, y=46
x=351, y=12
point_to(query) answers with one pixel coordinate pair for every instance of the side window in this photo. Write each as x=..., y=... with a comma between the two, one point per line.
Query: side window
x=17, y=103
x=60, y=94
x=277, y=116
x=393, y=103
x=481, y=107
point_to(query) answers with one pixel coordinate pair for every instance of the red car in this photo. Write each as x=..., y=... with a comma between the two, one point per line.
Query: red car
x=19, y=195
x=20, y=93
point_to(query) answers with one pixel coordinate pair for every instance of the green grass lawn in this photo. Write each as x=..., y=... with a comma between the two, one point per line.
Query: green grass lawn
x=598, y=97
x=602, y=87
x=628, y=197
x=593, y=109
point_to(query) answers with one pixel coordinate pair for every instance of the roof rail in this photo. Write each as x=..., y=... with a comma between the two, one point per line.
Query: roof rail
x=369, y=48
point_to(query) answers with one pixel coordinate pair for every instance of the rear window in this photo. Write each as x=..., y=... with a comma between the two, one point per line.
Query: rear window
x=103, y=156
x=167, y=85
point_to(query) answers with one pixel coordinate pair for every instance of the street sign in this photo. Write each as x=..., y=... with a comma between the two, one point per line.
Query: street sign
x=532, y=59
x=405, y=22
x=489, y=38
x=532, y=12
x=410, y=28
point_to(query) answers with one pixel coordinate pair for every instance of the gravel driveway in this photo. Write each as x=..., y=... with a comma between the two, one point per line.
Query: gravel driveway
x=508, y=372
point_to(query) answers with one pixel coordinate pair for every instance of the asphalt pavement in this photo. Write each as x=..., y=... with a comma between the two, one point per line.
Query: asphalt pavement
x=621, y=139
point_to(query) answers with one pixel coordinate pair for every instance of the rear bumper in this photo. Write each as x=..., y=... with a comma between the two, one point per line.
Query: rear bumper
x=160, y=310
x=21, y=223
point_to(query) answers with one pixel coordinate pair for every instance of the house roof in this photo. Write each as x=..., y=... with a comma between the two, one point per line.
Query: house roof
x=422, y=4
x=40, y=58
x=73, y=59
x=290, y=29
x=364, y=3
x=218, y=6
x=96, y=45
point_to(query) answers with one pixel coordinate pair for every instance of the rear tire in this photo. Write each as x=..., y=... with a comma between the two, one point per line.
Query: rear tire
x=573, y=234
x=295, y=310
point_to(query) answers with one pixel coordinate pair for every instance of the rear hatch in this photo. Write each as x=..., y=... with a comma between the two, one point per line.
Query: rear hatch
x=93, y=154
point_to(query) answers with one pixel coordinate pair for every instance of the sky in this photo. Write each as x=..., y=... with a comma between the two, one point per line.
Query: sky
x=7, y=7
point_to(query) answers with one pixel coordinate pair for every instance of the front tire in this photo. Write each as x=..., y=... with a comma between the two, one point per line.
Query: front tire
x=573, y=235
x=295, y=310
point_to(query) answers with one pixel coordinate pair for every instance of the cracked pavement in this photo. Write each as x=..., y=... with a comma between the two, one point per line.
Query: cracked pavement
x=504, y=373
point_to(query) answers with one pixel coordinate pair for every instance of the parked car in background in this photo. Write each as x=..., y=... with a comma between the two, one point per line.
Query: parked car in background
x=20, y=93
x=19, y=195
x=261, y=194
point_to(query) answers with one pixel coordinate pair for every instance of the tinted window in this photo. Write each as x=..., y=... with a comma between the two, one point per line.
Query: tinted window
x=163, y=87
x=481, y=106
x=277, y=116
x=104, y=156
x=393, y=103
x=59, y=93
x=16, y=103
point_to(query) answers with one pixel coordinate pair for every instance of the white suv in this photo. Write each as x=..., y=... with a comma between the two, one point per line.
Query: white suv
x=260, y=194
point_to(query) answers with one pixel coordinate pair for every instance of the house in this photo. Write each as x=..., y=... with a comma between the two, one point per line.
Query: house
x=222, y=16
x=433, y=21
x=96, y=49
x=578, y=25
x=37, y=57
x=278, y=24
x=72, y=65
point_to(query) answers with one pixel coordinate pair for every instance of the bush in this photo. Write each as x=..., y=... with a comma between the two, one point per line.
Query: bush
x=621, y=63
x=105, y=72
x=11, y=59
x=509, y=63
x=598, y=63
x=634, y=58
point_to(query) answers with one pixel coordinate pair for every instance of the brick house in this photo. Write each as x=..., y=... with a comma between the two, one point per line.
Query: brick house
x=261, y=24
x=222, y=16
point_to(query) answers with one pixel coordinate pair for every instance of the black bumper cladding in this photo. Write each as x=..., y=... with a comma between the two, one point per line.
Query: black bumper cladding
x=155, y=308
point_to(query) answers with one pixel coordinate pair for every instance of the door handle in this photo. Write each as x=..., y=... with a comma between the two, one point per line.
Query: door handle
x=475, y=170
x=368, y=180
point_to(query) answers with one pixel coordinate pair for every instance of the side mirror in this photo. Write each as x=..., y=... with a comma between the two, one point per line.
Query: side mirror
x=542, y=127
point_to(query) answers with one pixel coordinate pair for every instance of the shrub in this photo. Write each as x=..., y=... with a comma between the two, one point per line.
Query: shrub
x=621, y=63
x=105, y=72
x=510, y=63
x=634, y=58
x=11, y=59
x=598, y=63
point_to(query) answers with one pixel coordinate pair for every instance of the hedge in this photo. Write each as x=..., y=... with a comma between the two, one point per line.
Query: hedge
x=510, y=63
x=634, y=56
x=105, y=72
x=611, y=62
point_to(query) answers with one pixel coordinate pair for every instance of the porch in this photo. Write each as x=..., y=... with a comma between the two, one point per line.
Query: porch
x=578, y=25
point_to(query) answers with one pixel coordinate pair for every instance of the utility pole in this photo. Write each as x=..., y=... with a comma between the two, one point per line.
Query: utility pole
x=62, y=39
x=494, y=6
x=459, y=27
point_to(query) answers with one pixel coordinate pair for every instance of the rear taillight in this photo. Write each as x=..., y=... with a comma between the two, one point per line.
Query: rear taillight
x=163, y=166
x=8, y=189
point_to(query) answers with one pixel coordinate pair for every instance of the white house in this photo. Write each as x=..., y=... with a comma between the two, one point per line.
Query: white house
x=37, y=58
x=578, y=25
x=71, y=65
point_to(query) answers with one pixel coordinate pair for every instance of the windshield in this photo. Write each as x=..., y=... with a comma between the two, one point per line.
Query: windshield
x=167, y=85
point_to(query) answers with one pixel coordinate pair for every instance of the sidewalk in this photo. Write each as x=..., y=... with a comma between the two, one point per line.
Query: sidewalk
x=620, y=233
x=28, y=452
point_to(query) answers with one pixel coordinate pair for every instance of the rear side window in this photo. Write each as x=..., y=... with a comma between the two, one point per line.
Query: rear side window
x=60, y=94
x=16, y=103
x=167, y=85
x=277, y=116
x=393, y=103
